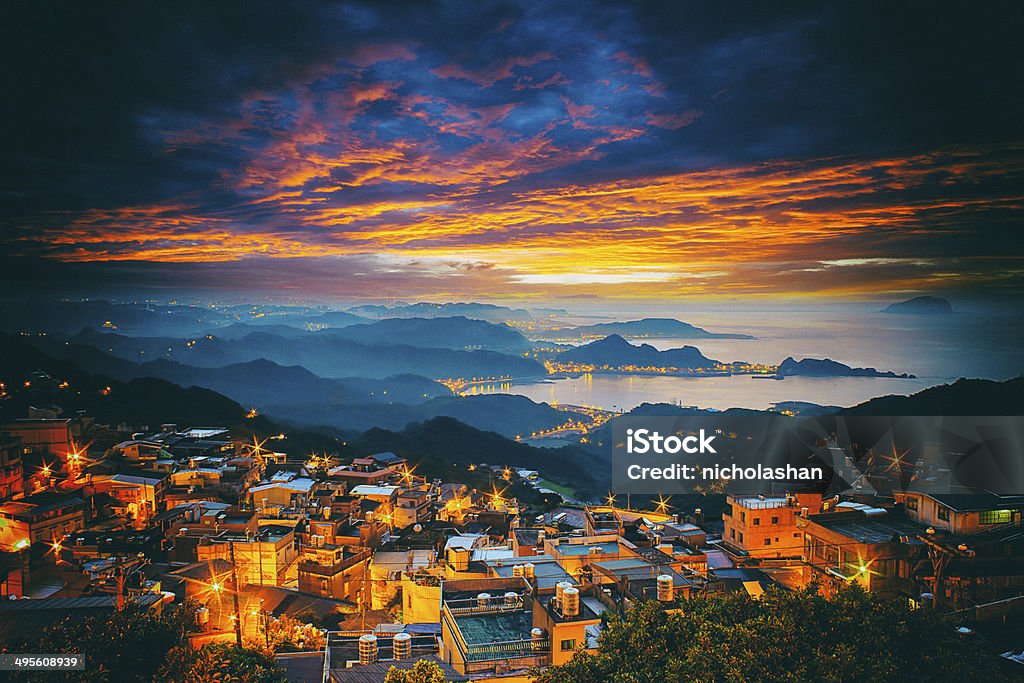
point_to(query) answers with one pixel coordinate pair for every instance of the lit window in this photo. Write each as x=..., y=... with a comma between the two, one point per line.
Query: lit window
x=995, y=517
x=944, y=514
x=911, y=503
x=569, y=645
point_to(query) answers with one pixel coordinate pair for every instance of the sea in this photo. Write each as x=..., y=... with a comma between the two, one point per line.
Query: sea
x=978, y=341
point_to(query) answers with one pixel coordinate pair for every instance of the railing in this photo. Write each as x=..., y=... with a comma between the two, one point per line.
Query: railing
x=769, y=504
x=508, y=650
x=496, y=604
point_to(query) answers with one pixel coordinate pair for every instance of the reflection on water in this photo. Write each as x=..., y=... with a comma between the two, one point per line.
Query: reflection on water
x=738, y=391
x=938, y=349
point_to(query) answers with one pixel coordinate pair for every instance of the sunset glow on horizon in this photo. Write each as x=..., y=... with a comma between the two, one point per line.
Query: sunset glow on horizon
x=555, y=157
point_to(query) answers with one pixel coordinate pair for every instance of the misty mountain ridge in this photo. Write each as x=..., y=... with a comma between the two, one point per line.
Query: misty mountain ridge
x=322, y=353
x=488, y=312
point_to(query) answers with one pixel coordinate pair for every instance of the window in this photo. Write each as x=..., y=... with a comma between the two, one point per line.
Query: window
x=767, y=541
x=912, y=503
x=569, y=645
x=732, y=534
x=757, y=521
x=775, y=520
x=995, y=517
x=943, y=514
x=743, y=516
x=740, y=539
x=796, y=535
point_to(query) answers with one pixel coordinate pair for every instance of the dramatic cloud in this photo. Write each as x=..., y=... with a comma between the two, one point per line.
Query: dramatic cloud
x=453, y=150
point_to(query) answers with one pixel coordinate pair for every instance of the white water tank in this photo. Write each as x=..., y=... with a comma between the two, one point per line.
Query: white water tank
x=570, y=602
x=401, y=646
x=511, y=599
x=367, y=648
x=528, y=570
x=665, y=589
x=483, y=600
x=517, y=570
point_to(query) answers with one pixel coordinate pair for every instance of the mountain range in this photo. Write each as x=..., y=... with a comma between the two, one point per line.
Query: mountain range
x=324, y=353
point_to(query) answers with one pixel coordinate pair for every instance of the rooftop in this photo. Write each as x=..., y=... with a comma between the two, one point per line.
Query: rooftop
x=496, y=627
x=976, y=501
x=606, y=548
x=867, y=529
x=368, y=490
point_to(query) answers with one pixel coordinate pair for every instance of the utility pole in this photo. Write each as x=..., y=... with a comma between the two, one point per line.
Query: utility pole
x=234, y=594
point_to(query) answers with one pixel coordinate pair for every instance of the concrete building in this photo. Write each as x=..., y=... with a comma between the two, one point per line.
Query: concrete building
x=765, y=526
x=871, y=546
x=335, y=571
x=12, y=474
x=267, y=557
x=43, y=436
x=487, y=628
x=36, y=521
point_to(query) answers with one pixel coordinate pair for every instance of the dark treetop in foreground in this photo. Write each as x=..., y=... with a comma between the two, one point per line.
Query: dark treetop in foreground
x=781, y=637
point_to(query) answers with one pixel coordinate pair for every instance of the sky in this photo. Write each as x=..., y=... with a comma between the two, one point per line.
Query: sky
x=474, y=150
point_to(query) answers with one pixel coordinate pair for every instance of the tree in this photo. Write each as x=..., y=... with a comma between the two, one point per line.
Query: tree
x=288, y=634
x=424, y=671
x=219, y=663
x=786, y=637
x=124, y=646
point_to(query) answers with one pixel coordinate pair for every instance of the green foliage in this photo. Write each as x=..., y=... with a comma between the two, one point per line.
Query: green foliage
x=219, y=663
x=124, y=646
x=288, y=634
x=136, y=645
x=786, y=637
x=423, y=672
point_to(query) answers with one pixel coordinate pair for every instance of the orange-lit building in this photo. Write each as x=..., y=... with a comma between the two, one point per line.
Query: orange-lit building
x=12, y=473
x=766, y=526
x=38, y=520
x=42, y=435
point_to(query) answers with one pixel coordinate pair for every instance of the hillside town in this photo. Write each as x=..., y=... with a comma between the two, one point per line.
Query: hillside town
x=347, y=569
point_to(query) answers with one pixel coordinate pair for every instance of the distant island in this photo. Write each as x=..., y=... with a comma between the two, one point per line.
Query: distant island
x=652, y=327
x=613, y=351
x=817, y=367
x=921, y=305
x=613, y=354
